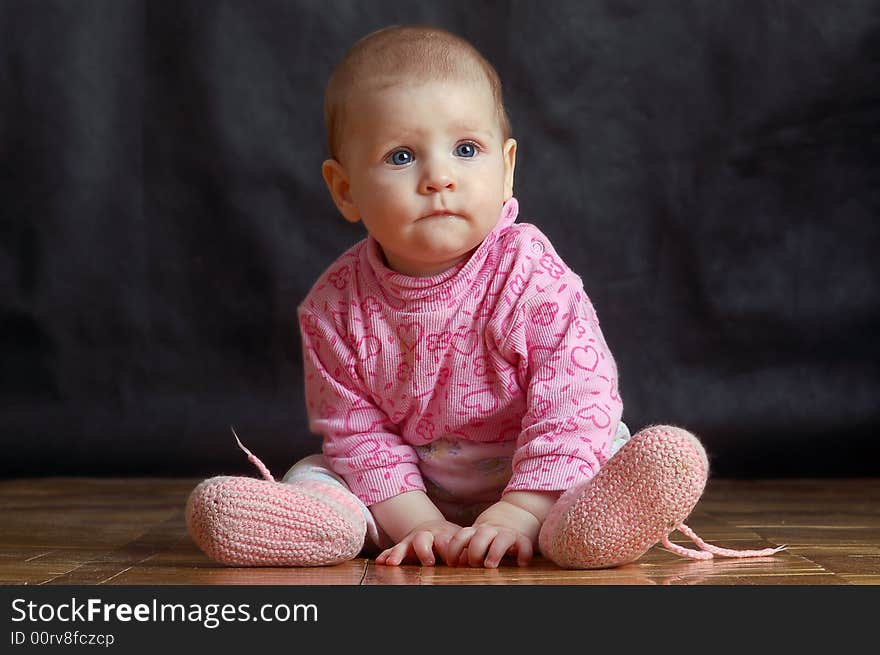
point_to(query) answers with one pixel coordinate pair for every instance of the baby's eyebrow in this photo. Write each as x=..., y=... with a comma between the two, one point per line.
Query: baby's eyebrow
x=383, y=140
x=468, y=128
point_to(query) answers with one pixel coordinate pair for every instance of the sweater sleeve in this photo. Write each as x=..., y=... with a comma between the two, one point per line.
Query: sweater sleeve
x=570, y=380
x=360, y=442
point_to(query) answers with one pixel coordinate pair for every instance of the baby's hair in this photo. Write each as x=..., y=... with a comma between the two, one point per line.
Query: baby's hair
x=417, y=51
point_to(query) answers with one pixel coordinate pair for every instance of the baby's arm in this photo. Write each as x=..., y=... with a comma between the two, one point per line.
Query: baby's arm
x=509, y=526
x=416, y=526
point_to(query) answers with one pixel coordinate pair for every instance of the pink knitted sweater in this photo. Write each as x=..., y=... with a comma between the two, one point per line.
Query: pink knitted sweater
x=502, y=354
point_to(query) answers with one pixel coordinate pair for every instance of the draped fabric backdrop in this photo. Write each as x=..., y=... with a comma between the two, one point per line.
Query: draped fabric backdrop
x=711, y=170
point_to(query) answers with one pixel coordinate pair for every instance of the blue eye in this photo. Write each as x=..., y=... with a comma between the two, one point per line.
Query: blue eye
x=466, y=150
x=400, y=157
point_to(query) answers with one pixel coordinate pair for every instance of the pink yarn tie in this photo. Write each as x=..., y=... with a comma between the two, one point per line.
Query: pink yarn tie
x=708, y=551
x=254, y=459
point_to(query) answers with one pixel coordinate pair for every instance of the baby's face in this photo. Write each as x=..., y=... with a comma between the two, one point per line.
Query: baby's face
x=427, y=170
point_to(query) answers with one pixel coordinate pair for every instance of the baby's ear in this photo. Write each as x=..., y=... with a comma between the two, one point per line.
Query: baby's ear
x=340, y=189
x=509, y=151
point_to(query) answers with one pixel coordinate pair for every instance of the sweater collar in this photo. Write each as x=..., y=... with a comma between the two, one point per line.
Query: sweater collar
x=419, y=294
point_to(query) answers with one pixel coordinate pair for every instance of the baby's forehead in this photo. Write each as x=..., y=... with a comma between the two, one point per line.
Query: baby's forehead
x=386, y=85
x=474, y=106
x=470, y=79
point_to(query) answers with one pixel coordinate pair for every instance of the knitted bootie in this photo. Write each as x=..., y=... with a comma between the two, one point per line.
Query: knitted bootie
x=240, y=521
x=247, y=522
x=643, y=493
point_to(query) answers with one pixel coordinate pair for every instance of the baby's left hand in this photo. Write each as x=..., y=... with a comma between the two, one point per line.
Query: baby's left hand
x=503, y=529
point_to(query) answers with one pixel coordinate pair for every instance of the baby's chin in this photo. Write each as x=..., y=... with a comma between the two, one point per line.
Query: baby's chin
x=446, y=251
x=449, y=232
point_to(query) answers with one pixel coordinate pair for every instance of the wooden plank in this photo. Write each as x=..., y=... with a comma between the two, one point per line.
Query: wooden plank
x=845, y=560
x=107, y=566
x=186, y=565
x=131, y=531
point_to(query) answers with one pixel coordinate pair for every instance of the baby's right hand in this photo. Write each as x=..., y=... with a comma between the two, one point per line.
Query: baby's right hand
x=422, y=544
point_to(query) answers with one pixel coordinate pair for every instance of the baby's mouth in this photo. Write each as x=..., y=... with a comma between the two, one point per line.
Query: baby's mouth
x=440, y=214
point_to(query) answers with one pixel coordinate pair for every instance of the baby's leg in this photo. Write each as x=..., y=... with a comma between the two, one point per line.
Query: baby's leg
x=315, y=468
x=309, y=519
x=644, y=492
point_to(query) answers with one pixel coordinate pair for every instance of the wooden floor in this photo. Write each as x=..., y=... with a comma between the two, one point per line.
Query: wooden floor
x=74, y=531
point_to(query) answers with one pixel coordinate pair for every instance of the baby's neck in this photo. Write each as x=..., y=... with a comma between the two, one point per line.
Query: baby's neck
x=415, y=269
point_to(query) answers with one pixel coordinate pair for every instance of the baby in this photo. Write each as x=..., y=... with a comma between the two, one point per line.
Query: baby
x=454, y=365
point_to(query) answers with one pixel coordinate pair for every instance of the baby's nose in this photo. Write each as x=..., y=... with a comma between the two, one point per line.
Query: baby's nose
x=440, y=184
x=437, y=177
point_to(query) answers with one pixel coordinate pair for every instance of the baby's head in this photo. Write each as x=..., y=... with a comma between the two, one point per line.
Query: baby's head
x=420, y=145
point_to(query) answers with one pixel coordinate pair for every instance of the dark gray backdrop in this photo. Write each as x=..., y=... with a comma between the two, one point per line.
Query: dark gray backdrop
x=711, y=169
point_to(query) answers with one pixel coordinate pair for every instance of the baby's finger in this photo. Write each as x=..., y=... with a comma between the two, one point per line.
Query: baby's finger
x=423, y=545
x=479, y=544
x=456, y=547
x=441, y=545
x=525, y=550
x=499, y=547
x=396, y=554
